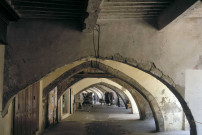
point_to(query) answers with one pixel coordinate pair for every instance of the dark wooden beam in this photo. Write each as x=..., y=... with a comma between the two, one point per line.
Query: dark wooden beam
x=7, y=11
x=3, y=31
x=140, y=1
x=7, y=14
x=177, y=11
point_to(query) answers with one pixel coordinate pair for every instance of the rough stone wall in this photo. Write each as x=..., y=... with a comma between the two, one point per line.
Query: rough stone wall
x=172, y=51
x=39, y=47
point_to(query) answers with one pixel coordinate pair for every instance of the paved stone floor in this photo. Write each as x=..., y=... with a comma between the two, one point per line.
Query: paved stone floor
x=106, y=120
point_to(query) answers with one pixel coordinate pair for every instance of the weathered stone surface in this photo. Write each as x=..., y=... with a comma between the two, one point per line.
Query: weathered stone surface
x=42, y=60
x=180, y=89
x=147, y=66
x=171, y=108
x=65, y=45
x=156, y=72
x=118, y=57
x=131, y=61
x=168, y=80
x=93, y=10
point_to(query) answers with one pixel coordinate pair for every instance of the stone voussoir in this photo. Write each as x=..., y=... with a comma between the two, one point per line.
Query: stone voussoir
x=156, y=72
x=143, y=65
x=168, y=80
x=146, y=66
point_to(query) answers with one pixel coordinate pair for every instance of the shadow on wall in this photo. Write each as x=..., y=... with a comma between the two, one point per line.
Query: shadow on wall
x=66, y=24
x=152, y=22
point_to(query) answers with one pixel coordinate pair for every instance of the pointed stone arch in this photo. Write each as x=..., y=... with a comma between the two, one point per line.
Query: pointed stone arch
x=111, y=67
x=87, y=83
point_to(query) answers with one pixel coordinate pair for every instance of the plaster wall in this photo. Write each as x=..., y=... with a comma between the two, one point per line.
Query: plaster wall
x=173, y=50
x=193, y=94
x=44, y=46
x=6, y=122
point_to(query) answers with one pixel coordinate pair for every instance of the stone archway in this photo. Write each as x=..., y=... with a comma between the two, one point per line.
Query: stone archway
x=159, y=120
x=90, y=82
x=111, y=67
x=151, y=100
x=121, y=94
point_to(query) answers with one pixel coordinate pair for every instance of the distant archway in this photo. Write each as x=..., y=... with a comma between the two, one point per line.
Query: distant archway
x=84, y=64
x=90, y=82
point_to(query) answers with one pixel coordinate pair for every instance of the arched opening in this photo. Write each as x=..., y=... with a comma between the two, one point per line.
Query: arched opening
x=95, y=80
x=89, y=82
x=157, y=92
x=112, y=69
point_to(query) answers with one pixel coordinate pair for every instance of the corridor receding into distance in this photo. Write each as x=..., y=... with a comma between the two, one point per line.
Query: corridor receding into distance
x=106, y=120
x=100, y=67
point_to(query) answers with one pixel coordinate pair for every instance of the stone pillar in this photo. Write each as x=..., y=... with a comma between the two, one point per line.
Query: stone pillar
x=60, y=109
x=2, y=50
x=68, y=101
x=41, y=110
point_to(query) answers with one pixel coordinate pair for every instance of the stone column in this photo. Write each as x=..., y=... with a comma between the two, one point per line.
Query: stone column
x=41, y=110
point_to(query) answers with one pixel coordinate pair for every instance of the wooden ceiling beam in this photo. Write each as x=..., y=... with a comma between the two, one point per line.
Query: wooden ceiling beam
x=133, y=6
x=7, y=14
x=49, y=5
x=50, y=1
x=106, y=4
x=145, y=1
x=177, y=11
x=47, y=8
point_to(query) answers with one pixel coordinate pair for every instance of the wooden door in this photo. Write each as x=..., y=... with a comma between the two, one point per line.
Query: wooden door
x=26, y=111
